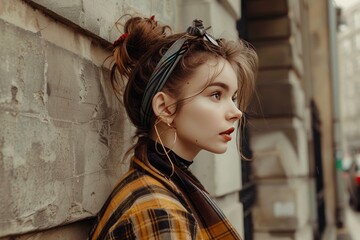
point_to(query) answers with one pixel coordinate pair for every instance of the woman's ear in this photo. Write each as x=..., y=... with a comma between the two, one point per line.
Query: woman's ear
x=164, y=106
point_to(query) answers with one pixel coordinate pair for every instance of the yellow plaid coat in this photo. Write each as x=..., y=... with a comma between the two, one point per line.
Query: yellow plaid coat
x=145, y=205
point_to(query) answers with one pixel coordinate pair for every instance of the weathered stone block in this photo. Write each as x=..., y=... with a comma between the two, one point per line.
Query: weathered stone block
x=283, y=27
x=22, y=70
x=69, y=9
x=99, y=19
x=264, y=8
x=39, y=157
x=91, y=146
x=62, y=139
x=282, y=205
x=66, y=169
x=279, y=54
x=269, y=28
x=275, y=75
x=279, y=94
x=75, y=92
x=279, y=148
x=90, y=191
x=305, y=233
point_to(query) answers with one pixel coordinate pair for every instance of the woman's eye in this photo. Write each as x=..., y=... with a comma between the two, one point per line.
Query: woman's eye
x=216, y=95
x=234, y=99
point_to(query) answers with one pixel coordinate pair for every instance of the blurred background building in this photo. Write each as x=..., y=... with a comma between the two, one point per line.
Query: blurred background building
x=349, y=69
x=63, y=132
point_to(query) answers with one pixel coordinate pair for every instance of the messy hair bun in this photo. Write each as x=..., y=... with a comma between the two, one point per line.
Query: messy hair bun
x=145, y=42
x=141, y=34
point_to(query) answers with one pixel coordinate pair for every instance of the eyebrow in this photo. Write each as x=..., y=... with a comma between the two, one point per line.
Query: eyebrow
x=222, y=85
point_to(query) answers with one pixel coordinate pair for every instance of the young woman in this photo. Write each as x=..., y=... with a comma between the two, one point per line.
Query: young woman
x=183, y=95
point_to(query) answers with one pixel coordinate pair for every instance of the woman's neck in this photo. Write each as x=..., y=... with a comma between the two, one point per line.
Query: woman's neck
x=174, y=147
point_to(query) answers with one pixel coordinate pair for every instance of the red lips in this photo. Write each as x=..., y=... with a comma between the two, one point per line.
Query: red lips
x=229, y=131
x=226, y=134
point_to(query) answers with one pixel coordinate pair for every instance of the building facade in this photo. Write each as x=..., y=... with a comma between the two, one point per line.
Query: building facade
x=291, y=126
x=65, y=133
x=349, y=67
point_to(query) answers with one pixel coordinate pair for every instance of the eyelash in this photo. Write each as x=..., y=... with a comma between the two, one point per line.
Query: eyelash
x=234, y=98
x=218, y=94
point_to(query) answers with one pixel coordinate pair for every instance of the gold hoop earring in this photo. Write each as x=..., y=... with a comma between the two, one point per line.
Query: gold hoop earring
x=162, y=144
x=159, y=136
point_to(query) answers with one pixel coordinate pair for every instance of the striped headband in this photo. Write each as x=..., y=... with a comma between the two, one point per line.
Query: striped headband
x=166, y=65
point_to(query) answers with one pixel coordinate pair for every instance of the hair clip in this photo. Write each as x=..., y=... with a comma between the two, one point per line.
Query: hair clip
x=120, y=39
x=152, y=18
x=197, y=29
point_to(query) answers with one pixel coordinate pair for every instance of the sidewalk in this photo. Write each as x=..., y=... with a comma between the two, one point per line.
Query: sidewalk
x=352, y=223
x=350, y=230
x=333, y=233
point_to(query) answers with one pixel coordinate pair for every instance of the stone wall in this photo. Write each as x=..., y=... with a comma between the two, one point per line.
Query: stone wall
x=62, y=131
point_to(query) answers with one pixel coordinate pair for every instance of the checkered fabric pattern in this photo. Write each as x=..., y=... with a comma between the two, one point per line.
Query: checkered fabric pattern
x=144, y=205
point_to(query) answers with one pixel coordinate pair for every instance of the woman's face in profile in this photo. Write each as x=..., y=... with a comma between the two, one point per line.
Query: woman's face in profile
x=206, y=120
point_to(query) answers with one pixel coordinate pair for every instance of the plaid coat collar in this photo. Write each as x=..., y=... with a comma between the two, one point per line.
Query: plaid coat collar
x=145, y=199
x=213, y=223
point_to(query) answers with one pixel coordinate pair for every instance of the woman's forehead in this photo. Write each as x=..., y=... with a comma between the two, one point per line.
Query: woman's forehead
x=213, y=70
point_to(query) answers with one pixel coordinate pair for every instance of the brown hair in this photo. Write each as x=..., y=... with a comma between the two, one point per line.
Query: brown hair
x=137, y=55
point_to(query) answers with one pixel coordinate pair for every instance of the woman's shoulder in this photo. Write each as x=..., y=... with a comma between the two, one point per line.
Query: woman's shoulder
x=138, y=201
x=155, y=206
x=138, y=190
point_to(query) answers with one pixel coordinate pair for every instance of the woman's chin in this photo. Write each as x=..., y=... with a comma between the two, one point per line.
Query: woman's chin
x=218, y=150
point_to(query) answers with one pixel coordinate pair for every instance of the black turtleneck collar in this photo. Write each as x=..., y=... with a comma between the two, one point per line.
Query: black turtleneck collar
x=156, y=148
x=180, y=174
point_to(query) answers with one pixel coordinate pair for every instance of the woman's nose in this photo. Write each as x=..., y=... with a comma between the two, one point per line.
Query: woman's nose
x=235, y=113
